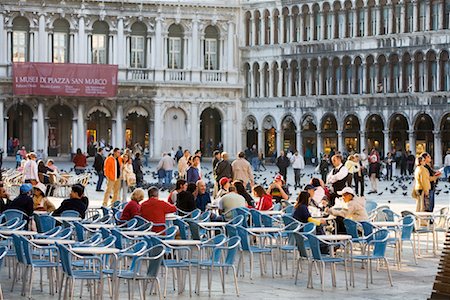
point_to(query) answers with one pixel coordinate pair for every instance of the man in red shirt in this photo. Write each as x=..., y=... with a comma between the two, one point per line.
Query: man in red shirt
x=133, y=208
x=155, y=210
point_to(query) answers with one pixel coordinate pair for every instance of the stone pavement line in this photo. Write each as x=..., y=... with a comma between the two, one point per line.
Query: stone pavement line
x=441, y=287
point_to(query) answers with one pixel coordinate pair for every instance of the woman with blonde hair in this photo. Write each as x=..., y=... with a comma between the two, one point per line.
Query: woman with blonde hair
x=128, y=176
x=133, y=208
x=40, y=201
x=422, y=185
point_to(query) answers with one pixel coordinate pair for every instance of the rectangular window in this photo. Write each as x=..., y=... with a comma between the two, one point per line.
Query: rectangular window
x=99, y=55
x=211, y=54
x=435, y=15
x=410, y=18
x=20, y=46
x=60, y=46
x=174, y=61
x=137, y=51
x=330, y=33
x=422, y=16
x=362, y=22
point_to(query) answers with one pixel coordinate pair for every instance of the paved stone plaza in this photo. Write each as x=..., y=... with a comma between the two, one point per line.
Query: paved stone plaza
x=412, y=282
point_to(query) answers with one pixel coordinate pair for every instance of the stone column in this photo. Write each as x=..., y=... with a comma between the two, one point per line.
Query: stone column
x=151, y=141
x=322, y=27
x=262, y=83
x=3, y=41
x=71, y=48
x=319, y=143
x=33, y=41
x=366, y=21
x=311, y=24
x=151, y=51
x=299, y=141
x=281, y=27
x=110, y=48
x=279, y=141
x=428, y=8
x=390, y=20
x=333, y=24
x=272, y=30
x=300, y=26
x=280, y=81
x=74, y=135
x=158, y=42
x=42, y=46
x=441, y=15
x=255, y=32
x=270, y=82
x=229, y=142
x=437, y=149
x=89, y=49
x=416, y=17
x=3, y=135
x=230, y=44
x=260, y=140
x=289, y=81
x=120, y=45
x=120, y=132
x=41, y=134
x=34, y=137
x=340, y=141
x=195, y=126
x=81, y=58
x=252, y=82
x=412, y=141
x=158, y=134
x=292, y=36
x=362, y=140
x=437, y=82
x=402, y=18
x=386, y=142
x=194, y=45
x=80, y=125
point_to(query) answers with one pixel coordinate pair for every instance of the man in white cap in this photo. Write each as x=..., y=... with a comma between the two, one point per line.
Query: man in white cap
x=356, y=209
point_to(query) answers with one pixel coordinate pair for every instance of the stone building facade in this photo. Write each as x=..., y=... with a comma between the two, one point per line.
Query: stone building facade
x=347, y=75
x=178, y=74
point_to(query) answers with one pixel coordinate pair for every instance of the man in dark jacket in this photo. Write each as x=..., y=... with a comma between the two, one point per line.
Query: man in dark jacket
x=137, y=169
x=98, y=166
x=23, y=202
x=282, y=164
x=76, y=202
x=223, y=168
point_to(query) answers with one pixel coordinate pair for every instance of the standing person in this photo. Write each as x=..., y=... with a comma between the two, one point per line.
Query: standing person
x=352, y=168
x=364, y=159
x=223, y=168
x=434, y=176
x=282, y=163
x=146, y=156
x=155, y=210
x=298, y=164
x=179, y=154
x=447, y=165
x=389, y=161
x=337, y=177
x=30, y=170
x=79, y=161
x=261, y=161
x=10, y=147
x=133, y=208
x=137, y=149
x=137, y=169
x=359, y=177
x=99, y=161
x=403, y=163
x=410, y=162
x=242, y=170
x=183, y=164
x=18, y=159
x=214, y=164
x=166, y=164
x=324, y=167
x=193, y=173
x=112, y=168
x=374, y=173
x=23, y=152
x=264, y=201
x=128, y=176
x=422, y=185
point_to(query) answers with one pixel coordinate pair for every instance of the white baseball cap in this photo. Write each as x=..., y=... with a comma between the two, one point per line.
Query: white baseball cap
x=347, y=190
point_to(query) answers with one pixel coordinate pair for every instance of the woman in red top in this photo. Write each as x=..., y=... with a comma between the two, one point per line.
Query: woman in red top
x=80, y=162
x=133, y=208
x=265, y=200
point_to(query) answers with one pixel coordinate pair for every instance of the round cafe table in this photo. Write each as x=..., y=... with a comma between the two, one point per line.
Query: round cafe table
x=386, y=223
x=212, y=224
x=67, y=219
x=52, y=242
x=95, y=250
x=271, y=212
x=138, y=233
x=182, y=242
x=264, y=229
x=18, y=232
x=99, y=225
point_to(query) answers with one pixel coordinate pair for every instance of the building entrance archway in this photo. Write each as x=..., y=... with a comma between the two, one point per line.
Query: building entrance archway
x=210, y=131
x=60, y=130
x=19, y=127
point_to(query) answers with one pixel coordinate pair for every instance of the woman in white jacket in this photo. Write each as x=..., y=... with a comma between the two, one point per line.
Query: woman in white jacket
x=128, y=176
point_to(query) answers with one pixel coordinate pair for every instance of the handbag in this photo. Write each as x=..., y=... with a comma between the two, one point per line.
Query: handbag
x=131, y=179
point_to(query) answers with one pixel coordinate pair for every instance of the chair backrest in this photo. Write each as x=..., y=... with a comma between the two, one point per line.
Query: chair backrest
x=131, y=223
x=70, y=213
x=195, y=214
x=289, y=210
x=11, y=223
x=370, y=206
x=379, y=241
x=267, y=221
x=216, y=240
x=116, y=204
x=64, y=233
x=47, y=222
x=441, y=220
x=367, y=229
x=242, y=211
x=117, y=216
x=287, y=219
x=236, y=221
x=106, y=210
x=171, y=233
x=407, y=213
x=119, y=244
x=105, y=232
x=65, y=258
x=104, y=220
x=308, y=228
x=80, y=231
x=194, y=229
x=18, y=248
x=155, y=257
x=144, y=227
x=182, y=228
x=351, y=227
x=314, y=245
x=14, y=213
x=140, y=221
x=407, y=227
x=244, y=235
x=232, y=249
x=3, y=252
x=27, y=251
x=231, y=230
x=108, y=242
x=292, y=227
x=390, y=215
x=277, y=206
x=52, y=232
x=256, y=218
x=205, y=217
x=300, y=243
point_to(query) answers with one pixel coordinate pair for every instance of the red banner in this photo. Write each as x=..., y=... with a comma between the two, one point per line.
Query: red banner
x=47, y=79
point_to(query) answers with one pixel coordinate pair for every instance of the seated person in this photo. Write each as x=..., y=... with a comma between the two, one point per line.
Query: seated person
x=186, y=199
x=180, y=186
x=203, y=197
x=23, y=201
x=356, y=209
x=301, y=212
x=75, y=202
x=230, y=201
x=155, y=210
x=41, y=203
x=4, y=198
x=265, y=200
x=278, y=190
x=42, y=172
x=224, y=184
x=243, y=192
x=133, y=208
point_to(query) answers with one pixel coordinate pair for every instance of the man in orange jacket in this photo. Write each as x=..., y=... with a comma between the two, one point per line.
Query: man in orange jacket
x=112, y=168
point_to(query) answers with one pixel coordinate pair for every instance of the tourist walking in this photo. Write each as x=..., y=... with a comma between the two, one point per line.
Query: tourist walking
x=223, y=168
x=242, y=170
x=359, y=177
x=282, y=163
x=165, y=168
x=30, y=170
x=434, y=176
x=374, y=173
x=112, y=169
x=298, y=164
x=389, y=161
x=447, y=165
x=183, y=164
x=98, y=167
x=137, y=169
x=193, y=173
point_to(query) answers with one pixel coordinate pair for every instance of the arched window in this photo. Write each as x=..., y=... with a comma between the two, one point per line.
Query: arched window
x=407, y=73
x=360, y=13
x=350, y=26
x=276, y=79
x=422, y=15
x=385, y=21
x=444, y=71
x=211, y=48
x=175, y=47
x=248, y=28
x=409, y=17
x=419, y=73
x=20, y=40
x=306, y=24
x=267, y=27
x=317, y=23
x=60, y=41
x=257, y=21
x=138, y=45
x=382, y=75
x=373, y=29
x=431, y=71
x=370, y=75
x=256, y=79
x=248, y=79
x=358, y=76
x=99, y=45
x=435, y=15
x=397, y=17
